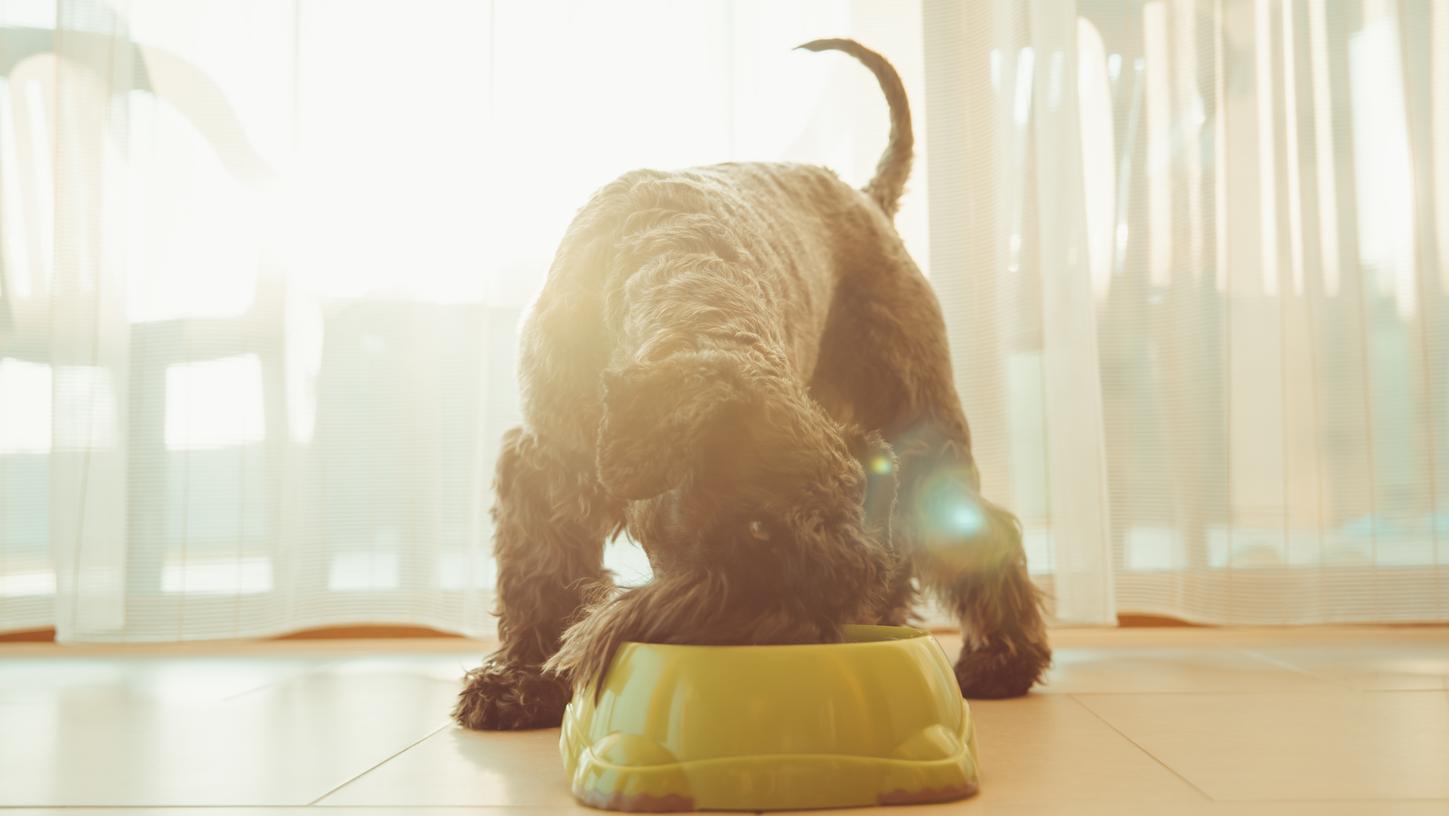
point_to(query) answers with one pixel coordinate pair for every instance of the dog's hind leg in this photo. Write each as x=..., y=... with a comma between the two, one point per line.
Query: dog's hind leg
x=885, y=365
x=550, y=523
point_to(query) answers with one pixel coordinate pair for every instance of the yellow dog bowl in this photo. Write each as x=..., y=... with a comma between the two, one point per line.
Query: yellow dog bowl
x=877, y=719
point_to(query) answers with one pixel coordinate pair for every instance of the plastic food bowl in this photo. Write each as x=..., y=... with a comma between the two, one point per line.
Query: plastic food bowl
x=877, y=719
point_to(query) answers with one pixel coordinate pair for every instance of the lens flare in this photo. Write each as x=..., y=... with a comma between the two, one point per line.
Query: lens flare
x=967, y=518
x=880, y=465
x=950, y=510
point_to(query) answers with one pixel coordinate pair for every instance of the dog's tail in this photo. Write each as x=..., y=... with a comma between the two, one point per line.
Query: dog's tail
x=895, y=163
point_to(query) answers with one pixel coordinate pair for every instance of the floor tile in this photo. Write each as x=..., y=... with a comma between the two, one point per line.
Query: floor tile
x=1107, y=663
x=1050, y=748
x=1247, y=637
x=1032, y=750
x=1125, y=807
x=1266, y=721
x=288, y=811
x=460, y=767
x=1392, y=666
x=191, y=679
x=286, y=744
x=1347, y=746
x=1156, y=670
x=1129, y=807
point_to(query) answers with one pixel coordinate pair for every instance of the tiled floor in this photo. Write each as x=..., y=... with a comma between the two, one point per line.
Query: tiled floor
x=1148, y=721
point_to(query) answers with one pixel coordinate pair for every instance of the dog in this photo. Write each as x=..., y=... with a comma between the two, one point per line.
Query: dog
x=741, y=366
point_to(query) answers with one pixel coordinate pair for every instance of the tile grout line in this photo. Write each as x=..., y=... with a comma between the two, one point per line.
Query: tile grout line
x=866, y=810
x=381, y=763
x=1135, y=744
x=264, y=809
x=1245, y=692
x=1283, y=664
x=303, y=673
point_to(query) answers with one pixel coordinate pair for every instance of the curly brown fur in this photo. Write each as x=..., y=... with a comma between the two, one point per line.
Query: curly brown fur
x=549, y=524
x=1004, y=646
x=967, y=552
x=741, y=366
x=702, y=608
x=497, y=696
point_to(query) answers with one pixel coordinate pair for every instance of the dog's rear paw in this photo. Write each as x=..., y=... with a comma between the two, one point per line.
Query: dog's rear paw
x=500, y=697
x=997, y=672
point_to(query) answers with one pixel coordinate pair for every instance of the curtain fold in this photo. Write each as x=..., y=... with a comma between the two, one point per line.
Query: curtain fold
x=1199, y=289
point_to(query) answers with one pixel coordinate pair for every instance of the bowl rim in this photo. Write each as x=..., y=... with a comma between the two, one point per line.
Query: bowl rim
x=877, y=636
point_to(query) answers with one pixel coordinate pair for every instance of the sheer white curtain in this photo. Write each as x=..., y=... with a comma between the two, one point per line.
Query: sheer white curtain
x=263, y=265
x=1196, y=257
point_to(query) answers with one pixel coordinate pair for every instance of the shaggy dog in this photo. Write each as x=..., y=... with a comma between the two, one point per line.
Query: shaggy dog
x=741, y=366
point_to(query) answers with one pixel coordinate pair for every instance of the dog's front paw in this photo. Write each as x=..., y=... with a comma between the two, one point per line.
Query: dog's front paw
x=997, y=671
x=502, y=697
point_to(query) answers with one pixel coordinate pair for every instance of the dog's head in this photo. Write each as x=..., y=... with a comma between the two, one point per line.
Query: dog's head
x=734, y=469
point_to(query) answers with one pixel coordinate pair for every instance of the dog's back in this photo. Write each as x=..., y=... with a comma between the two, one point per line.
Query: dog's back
x=658, y=260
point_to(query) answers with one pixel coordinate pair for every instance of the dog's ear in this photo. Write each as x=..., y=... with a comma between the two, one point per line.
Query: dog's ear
x=659, y=416
x=836, y=553
x=835, y=572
